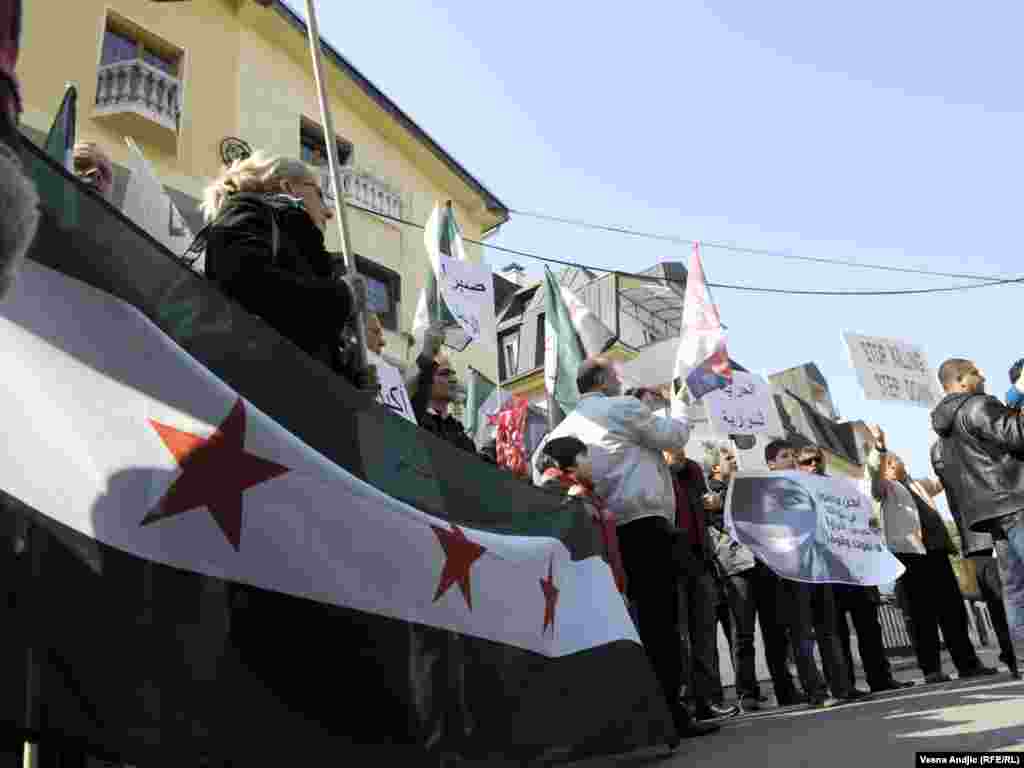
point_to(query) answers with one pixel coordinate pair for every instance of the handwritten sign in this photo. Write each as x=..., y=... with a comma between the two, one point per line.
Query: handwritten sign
x=890, y=369
x=809, y=528
x=743, y=407
x=391, y=391
x=468, y=291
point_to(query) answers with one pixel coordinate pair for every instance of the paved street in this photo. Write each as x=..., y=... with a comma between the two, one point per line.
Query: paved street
x=884, y=731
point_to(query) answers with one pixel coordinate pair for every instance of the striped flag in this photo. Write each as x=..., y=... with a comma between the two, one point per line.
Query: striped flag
x=702, y=360
x=211, y=555
x=444, y=245
x=60, y=140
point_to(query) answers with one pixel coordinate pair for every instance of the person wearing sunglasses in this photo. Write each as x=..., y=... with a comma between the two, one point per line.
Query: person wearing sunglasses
x=264, y=244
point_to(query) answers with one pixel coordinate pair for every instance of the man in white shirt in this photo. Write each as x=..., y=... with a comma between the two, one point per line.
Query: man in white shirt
x=637, y=486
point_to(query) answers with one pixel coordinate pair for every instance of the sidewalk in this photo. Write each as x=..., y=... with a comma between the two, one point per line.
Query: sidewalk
x=904, y=668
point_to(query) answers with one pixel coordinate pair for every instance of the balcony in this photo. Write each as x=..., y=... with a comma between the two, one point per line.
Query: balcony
x=367, y=191
x=140, y=94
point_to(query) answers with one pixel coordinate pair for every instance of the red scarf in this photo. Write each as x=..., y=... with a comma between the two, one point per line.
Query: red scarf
x=603, y=519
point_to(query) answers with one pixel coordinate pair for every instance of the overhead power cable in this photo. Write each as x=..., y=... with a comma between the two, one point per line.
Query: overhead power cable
x=751, y=251
x=990, y=281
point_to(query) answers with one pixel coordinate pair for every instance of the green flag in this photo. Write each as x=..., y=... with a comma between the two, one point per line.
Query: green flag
x=60, y=144
x=478, y=389
x=60, y=141
x=563, y=352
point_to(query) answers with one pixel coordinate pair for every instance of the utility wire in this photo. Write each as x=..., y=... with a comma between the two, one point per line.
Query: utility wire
x=751, y=251
x=991, y=281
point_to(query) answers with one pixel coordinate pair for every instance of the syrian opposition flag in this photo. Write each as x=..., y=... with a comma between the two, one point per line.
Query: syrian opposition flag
x=702, y=361
x=217, y=487
x=147, y=203
x=571, y=333
x=484, y=399
x=60, y=140
x=457, y=293
x=203, y=532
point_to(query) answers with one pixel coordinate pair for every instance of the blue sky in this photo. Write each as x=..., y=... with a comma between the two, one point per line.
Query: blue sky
x=878, y=132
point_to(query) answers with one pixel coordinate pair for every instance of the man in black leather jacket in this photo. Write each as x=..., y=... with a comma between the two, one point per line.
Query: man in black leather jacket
x=982, y=442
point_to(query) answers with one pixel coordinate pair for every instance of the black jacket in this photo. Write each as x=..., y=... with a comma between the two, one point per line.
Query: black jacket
x=447, y=427
x=973, y=543
x=291, y=288
x=981, y=441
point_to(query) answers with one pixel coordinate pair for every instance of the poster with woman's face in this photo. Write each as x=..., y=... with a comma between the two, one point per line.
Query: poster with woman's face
x=809, y=528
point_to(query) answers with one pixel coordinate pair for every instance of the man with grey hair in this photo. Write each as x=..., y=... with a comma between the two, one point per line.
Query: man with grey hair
x=637, y=486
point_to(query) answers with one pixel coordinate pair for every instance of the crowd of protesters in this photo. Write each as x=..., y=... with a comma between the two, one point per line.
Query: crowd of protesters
x=660, y=511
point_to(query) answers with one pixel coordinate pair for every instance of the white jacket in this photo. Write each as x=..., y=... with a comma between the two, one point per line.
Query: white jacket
x=629, y=470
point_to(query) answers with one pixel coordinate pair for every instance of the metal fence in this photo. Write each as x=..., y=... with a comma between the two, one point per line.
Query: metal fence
x=896, y=634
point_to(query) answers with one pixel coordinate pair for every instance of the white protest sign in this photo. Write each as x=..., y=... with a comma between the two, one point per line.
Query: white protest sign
x=744, y=407
x=809, y=528
x=148, y=205
x=391, y=391
x=891, y=369
x=468, y=291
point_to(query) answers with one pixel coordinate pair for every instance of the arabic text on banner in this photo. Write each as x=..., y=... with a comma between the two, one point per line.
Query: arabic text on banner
x=742, y=407
x=809, y=528
x=891, y=369
x=391, y=391
x=468, y=290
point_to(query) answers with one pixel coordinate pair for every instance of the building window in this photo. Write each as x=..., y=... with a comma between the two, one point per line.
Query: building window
x=124, y=42
x=538, y=357
x=313, y=149
x=508, y=354
x=383, y=291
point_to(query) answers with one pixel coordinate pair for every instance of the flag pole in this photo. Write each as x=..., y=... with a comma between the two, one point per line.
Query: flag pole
x=340, y=207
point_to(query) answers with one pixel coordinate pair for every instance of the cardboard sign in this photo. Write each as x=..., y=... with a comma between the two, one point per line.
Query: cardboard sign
x=391, y=391
x=809, y=528
x=743, y=407
x=894, y=370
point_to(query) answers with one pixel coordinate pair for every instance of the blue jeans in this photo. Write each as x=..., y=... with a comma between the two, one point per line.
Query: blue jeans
x=1010, y=555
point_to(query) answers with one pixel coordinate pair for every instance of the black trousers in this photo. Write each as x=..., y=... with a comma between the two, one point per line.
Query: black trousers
x=759, y=595
x=824, y=615
x=648, y=557
x=859, y=604
x=698, y=638
x=991, y=587
x=935, y=601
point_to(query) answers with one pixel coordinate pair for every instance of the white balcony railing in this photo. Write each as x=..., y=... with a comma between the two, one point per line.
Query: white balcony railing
x=135, y=86
x=367, y=191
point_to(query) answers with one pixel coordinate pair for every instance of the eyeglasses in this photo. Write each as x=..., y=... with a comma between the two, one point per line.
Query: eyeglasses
x=317, y=187
x=810, y=460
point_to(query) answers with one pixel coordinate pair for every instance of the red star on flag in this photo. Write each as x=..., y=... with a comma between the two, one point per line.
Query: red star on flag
x=460, y=554
x=550, y=597
x=215, y=471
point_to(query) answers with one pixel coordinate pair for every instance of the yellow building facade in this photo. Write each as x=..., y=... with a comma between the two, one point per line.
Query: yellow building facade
x=182, y=78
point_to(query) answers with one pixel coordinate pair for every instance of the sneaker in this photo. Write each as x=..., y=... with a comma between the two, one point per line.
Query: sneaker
x=716, y=711
x=820, y=702
x=937, y=677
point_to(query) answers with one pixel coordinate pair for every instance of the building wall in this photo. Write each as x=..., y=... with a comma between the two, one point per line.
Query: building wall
x=246, y=72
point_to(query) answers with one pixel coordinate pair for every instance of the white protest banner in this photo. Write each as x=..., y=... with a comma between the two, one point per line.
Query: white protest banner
x=744, y=407
x=809, y=528
x=891, y=369
x=468, y=291
x=391, y=391
x=148, y=205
